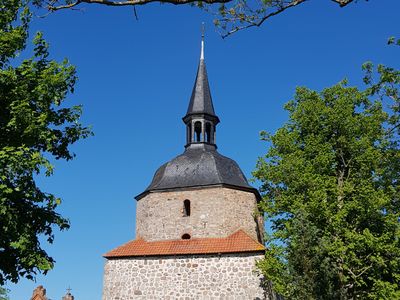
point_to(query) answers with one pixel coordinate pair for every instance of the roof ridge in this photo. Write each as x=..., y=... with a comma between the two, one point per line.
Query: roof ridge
x=123, y=245
x=217, y=169
x=247, y=235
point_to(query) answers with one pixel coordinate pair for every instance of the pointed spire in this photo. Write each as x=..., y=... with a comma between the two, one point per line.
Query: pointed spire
x=68, y=295
x=201, y=101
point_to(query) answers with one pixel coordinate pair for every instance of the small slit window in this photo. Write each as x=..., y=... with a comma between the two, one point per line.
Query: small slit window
x=186, y=208
x=186, y=236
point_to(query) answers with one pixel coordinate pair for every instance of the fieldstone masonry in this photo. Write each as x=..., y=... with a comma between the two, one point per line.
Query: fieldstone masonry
x=215, y=212
x=227, y=276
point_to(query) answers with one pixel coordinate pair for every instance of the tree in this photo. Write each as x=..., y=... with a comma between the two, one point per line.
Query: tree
x=3, y=294
x=230, y=16
x=331, y=190
x=35, y=126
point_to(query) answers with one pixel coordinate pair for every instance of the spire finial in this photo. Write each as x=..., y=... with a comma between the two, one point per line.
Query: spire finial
x=202, y=40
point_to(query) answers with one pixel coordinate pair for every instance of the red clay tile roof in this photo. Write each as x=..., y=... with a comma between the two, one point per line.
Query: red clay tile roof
x=235, y=243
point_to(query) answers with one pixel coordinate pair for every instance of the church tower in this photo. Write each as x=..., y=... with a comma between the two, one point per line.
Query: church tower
x=198, y=231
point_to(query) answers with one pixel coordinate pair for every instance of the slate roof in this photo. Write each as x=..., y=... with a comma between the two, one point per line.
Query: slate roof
x=198, y=167
x=201, y=101
x=238, y=242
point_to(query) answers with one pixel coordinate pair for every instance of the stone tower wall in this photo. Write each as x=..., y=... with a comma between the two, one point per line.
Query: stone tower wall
x=228, y=276
x=215, y=212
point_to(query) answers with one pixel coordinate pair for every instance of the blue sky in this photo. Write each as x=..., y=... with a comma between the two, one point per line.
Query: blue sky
x=135, y=81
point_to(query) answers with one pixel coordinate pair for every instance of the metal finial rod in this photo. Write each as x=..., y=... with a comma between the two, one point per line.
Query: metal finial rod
x=202, y=40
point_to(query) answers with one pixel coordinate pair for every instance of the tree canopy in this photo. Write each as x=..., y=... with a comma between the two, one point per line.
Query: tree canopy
x=331, y=190
x=35, y=127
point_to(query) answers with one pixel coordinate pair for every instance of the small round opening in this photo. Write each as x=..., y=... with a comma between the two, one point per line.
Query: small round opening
x=186, y=236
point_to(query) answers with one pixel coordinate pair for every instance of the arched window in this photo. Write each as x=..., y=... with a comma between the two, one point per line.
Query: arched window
x=186, y=236
x=208, y=132
x=186, y=208
x=197, y=131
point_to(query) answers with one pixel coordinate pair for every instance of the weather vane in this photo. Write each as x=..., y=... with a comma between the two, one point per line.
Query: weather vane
x=203, y=30
x=69, y=290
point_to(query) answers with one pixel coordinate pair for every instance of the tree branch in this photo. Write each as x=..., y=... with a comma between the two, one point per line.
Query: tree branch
x=247, y=16
x=342, y=3
x=362, y=271
x=130, y=3
x=263, y=19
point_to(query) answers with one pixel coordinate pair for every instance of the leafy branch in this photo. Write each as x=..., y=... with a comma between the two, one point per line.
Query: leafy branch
x=231, y=16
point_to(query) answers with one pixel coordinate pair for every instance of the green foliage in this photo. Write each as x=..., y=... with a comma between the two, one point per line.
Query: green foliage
x=3, y=294
x=35, y=126
x=234, y=15
x=393, y=41
x=331, y=190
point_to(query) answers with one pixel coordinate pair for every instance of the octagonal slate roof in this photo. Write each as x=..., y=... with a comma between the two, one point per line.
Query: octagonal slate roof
x=198, y=167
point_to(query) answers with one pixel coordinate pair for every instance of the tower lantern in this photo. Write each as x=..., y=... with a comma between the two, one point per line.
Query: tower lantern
x=200, y=118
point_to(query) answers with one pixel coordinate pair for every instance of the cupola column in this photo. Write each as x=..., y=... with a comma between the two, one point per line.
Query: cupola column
x=203, y=131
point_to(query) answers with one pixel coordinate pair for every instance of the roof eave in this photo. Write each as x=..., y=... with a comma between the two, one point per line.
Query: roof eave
x=204, y=115
x=110, y=257
x=242, y=188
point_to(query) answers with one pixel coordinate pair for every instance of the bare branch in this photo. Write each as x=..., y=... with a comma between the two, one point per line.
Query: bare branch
x=343, y=3
x=362, y=271
x=130, y=3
